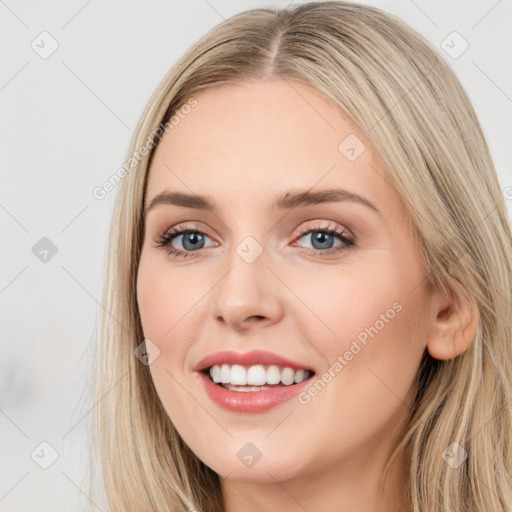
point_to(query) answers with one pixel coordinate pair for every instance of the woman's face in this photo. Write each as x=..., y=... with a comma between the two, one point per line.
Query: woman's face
x=352, y=304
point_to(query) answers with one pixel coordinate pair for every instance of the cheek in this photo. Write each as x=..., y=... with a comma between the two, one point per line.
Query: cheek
x=369, y=328
x=164, y=299
x=169, y=303
x=372, y=358
x=344, y=302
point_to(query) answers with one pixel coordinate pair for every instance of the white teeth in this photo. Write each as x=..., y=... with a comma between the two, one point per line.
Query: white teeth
x=224, y=374
x=238, y=375
x=246, y=388
x=300, y=375
x=288, y=376
x=216, y=373
x=273, y=375
x=257, y=375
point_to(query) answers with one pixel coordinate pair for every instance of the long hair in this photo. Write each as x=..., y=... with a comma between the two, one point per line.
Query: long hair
x=406, y=100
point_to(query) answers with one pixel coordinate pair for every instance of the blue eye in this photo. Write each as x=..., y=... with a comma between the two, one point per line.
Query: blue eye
x=193, y=240
x=322, y=240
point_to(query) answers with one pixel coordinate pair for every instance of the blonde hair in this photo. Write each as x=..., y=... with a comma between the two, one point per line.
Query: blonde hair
x=409, y=104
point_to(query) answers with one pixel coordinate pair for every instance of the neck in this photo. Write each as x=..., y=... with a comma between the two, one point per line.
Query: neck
x=351, y=486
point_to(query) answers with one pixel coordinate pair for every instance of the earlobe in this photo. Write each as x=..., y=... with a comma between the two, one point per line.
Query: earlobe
x=454, y=327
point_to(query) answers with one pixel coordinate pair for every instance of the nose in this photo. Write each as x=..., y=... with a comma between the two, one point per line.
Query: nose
x=247, y=296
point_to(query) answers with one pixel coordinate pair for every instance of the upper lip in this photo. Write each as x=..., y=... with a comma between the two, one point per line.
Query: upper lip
x=248, y=359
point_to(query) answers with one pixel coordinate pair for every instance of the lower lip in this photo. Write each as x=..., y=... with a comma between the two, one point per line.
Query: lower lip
x=250, y=401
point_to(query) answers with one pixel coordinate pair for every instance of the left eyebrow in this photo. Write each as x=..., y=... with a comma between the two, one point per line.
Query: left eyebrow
x=287, y=201
x=291, y=200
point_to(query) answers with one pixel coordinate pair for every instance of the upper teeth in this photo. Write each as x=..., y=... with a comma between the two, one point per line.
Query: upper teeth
x=257, y=375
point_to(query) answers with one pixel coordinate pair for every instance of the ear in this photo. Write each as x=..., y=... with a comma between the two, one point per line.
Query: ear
x=454, y=326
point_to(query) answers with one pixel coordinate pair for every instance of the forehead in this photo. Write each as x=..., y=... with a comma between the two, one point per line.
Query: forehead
x=258, y=137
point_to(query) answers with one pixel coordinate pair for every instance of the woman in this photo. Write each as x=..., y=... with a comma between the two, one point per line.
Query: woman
x=309, y=280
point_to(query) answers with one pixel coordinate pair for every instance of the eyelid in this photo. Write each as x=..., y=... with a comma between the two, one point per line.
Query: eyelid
x=329, y=226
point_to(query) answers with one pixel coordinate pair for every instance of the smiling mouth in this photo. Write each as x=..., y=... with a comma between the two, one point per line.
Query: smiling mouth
x=287, y=378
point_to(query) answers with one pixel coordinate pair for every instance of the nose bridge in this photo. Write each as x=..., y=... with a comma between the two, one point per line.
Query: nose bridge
x=245, y=291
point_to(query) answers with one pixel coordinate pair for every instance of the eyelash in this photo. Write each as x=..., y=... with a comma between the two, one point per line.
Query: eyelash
x=165, y=240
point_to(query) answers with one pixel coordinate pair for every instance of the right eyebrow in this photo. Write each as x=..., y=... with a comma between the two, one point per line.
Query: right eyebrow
x=183, y=199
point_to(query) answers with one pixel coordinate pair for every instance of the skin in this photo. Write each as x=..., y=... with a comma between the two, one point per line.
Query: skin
x=243, y=145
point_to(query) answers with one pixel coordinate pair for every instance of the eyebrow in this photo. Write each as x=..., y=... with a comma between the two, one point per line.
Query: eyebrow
x=287, y=201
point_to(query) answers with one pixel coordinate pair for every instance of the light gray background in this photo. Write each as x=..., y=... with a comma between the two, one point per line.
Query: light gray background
x=65, y=125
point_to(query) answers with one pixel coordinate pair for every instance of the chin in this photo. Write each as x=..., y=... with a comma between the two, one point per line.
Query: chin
x=265, y=470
